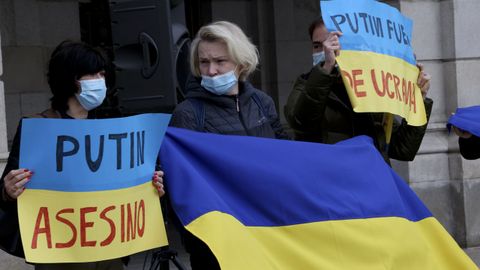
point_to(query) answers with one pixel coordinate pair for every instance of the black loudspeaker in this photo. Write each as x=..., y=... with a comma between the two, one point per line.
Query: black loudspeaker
x=143, y=49
x=181, y=56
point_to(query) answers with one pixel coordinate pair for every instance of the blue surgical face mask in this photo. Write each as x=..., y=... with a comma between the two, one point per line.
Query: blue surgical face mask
x=318, y=58
x=220, y=84
x=92, y=93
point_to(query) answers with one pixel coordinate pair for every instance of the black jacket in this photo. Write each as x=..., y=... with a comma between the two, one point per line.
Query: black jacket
x=470, y=148
x=231, y=115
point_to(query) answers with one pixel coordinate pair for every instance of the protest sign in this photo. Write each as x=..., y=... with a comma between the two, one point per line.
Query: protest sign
x=376, y=60
x=90, y=197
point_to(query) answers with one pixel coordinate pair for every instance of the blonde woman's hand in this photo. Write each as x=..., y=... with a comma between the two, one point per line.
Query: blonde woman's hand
x=157, y=182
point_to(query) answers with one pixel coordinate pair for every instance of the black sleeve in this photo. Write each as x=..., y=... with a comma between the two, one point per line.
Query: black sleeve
x=306, y=103
x=406, y=139
x=12, y=164
x=470, y=148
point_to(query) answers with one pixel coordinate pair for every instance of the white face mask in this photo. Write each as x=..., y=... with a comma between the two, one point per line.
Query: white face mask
x=220, y=84
x=92, y=93
x=318, y=58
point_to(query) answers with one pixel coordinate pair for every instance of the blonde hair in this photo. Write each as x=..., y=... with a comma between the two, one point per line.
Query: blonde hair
x=239, y=47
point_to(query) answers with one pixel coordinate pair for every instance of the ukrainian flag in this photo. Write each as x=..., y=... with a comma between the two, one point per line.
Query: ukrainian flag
x=271, y=204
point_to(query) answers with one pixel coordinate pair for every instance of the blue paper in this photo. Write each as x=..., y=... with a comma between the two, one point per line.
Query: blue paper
x=368, y=25
x=130, y=148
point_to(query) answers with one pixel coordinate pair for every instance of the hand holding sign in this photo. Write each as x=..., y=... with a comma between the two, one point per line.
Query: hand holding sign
x=157, y=182
x=331, y=47
x=423, y=80
x=377, y=61
x=15, y=181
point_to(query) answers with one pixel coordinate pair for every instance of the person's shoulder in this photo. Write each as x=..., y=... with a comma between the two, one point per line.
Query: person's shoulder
x=185, y=109
x=250, y=89
x=184, y=106
x=184, y=115
x=263, y=98
x=304, y=76
x=301, y=79
x=261, y=94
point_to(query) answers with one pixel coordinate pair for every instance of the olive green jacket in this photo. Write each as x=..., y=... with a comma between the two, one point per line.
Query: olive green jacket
x=318, y=110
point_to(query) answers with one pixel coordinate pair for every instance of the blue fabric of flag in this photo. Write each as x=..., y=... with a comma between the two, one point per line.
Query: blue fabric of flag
x=467, y=118
x=267, y=182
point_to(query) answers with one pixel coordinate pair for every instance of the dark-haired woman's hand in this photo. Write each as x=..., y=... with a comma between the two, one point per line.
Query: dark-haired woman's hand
x=157, y=181
x=14, y=182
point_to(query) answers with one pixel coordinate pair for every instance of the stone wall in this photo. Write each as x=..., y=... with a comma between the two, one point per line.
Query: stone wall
x=445, y=181
x=3, y=121
x=29, y=30
x=7, y=261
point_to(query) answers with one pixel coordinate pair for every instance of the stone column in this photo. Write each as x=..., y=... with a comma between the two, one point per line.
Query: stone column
x=430, y=174
x=450, y=185
x=7, y=261
x=30, y=29
x=3, y=125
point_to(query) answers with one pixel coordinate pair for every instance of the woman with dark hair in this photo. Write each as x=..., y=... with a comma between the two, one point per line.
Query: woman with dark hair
x=76, y=76
x=69, y=63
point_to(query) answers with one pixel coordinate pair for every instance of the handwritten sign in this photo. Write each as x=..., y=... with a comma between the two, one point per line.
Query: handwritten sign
x=377, y=61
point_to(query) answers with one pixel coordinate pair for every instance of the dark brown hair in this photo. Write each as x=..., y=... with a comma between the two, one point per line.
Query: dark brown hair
x=69, y=61
x=314, y=24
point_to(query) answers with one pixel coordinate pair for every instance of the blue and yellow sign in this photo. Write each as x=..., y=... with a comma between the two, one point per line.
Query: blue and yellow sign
x=377, y=61
x=91, y=196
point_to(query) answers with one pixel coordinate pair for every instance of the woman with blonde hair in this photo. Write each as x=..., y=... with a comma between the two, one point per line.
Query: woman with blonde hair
x=219, y=99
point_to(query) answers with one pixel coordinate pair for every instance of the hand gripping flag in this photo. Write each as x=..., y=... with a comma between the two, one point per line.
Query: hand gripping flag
x=272, y=204
x=467, y=118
